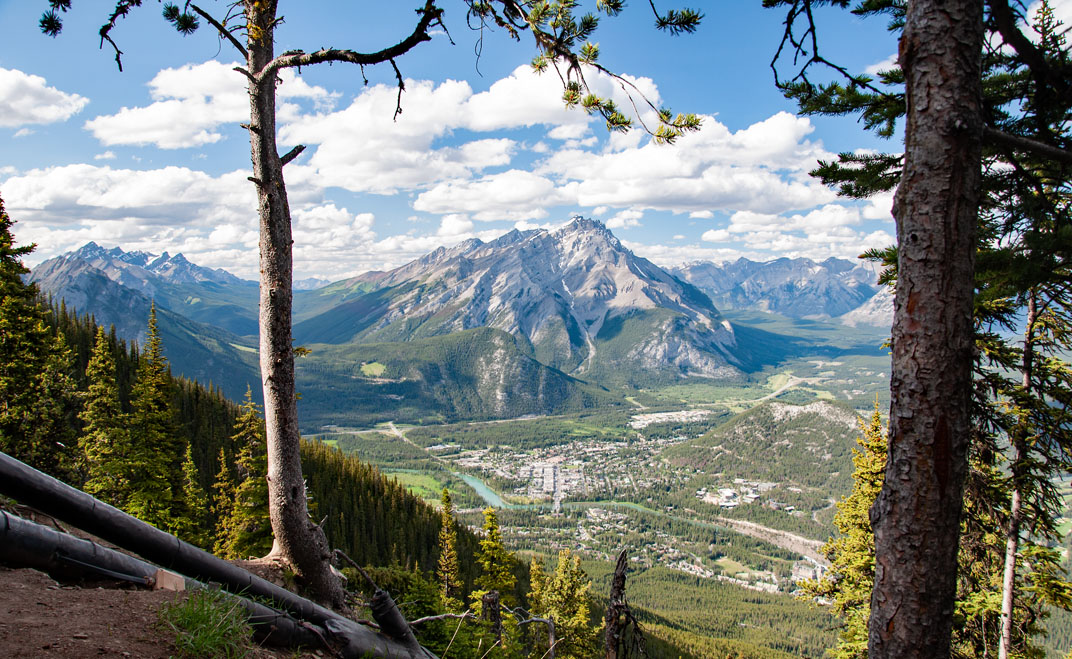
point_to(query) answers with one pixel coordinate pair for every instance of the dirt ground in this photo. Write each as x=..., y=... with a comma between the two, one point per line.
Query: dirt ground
x=42, y=618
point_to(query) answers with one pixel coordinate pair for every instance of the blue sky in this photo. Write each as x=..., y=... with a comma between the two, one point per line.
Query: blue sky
x=153, y=158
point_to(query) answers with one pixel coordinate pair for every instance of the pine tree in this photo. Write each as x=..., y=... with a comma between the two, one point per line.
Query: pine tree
x=155, y=449
x=447, y=566
x=193, y=520
x=851, y=577
x=105, y=440
x=248, y=532
x=495, y=561
x=35, y=383
x=565, y=598
x=223, y=504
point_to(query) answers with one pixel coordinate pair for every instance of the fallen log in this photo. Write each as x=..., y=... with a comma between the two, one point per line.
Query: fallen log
x=27, y=544
x=33, y=488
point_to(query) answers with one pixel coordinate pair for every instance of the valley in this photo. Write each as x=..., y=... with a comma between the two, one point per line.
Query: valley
x=599, y=401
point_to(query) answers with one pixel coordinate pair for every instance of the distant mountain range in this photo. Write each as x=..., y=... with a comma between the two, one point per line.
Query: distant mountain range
x=563, y=313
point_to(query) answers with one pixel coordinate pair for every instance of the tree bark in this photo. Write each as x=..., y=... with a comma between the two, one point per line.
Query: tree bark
x=298, y=541
x=916, y=517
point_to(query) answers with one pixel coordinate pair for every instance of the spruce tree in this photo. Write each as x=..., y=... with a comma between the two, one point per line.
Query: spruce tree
x=248, y=532
x=35, y=383
x=851, y=576
x=495, y=561
x=565, y=596
x=447, y=566
x=155, y=449
x=193, y=521
x=105, y=440
x=223, y=504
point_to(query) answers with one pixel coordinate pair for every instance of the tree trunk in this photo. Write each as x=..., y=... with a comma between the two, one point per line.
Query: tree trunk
x=615, y=619
x=1016, y=513
x=298, y=540
x=916, y=517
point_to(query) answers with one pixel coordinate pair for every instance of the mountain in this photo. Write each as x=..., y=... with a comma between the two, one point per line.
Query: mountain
x=877, y=311
x=798, y=288
x=576, y=296
x=215, y=297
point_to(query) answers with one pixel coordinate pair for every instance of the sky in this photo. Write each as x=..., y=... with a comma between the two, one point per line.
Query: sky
x=153, y=158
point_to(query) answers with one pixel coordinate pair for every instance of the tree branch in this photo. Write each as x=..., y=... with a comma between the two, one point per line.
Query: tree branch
x=292, y=154
x=429, y=14
x=1027, y=144
x=224, y=32
x=443, y=616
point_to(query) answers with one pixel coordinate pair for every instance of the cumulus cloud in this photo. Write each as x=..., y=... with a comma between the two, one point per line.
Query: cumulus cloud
x=511, y=195
x=27, y=99
x=625, y=219
x=192, y=102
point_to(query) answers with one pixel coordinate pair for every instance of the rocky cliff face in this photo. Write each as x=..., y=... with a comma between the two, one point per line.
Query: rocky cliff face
x=557, y=290
x=798, y=288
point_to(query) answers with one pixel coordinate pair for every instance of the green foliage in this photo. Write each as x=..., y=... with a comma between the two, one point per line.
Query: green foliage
x=565, y=596
x=193, y=519
x=155, y=453
x=494, y=560
x=447, y=565
x=35, y=384
x=105, y=436
x=851, y=576
x=223, y=504
x=208, y=624
x=248, y=530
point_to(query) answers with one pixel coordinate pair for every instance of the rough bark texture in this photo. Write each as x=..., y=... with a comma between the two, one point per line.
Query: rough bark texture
x=615, y=619
x=916, y=517
x=298, y=540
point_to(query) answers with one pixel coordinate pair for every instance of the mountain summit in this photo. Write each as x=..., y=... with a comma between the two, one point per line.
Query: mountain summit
x=583, y=301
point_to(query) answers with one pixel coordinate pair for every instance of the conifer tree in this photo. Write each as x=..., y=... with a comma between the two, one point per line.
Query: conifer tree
x=105, y=440
x=35, y=382
x=851, y=577
x=564, y=597
x=494, y=560
x=223, y=504
x=155, y=450
x=447, y=566
x=193, y=521
x=248, y=532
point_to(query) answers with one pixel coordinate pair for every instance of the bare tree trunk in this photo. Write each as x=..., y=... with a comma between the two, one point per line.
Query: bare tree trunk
x=1016, y=513
x=615, y=619
x=298, y=540
x=917, y=514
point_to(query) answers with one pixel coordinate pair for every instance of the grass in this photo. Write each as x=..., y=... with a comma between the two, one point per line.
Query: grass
x=422, y=485
x=208, y=624
x=373, y=369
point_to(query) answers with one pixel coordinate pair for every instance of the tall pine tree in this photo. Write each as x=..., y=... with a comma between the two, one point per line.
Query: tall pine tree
x=248, y=531
x=495, y=561
x=155, y=448
x=447, y=566
x=105, y=440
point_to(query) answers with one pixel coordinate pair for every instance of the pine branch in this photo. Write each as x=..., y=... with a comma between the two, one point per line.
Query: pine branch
x=1027, y=144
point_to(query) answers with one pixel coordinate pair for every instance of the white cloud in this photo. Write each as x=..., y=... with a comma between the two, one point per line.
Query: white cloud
x=27, y=99
x=191, y=102
x=455, y=225
x=885, y=65
x=701, y=215
x=106, y=155
x=568, y=132
x=716, y=236
x=511, y=195
x=625, y=219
